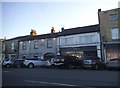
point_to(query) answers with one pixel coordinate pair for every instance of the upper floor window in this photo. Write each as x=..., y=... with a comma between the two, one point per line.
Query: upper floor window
x=113, y=17
x=42, y=42
x=35, y=44
x=67, y=41
x=49, y=43
x=3, y=47
x=89, y=39
x=115, y=33
x=12, y=46
x=86, y=39
x=24, y=46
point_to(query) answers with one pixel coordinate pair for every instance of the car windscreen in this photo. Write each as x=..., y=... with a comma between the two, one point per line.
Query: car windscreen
x=6, y=59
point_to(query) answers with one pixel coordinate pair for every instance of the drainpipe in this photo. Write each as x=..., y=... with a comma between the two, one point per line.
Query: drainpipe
x=17, y=51
x=101, y=38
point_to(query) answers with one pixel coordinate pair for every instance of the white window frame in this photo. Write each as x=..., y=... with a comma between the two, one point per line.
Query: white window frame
x=49, y=43
x=3, y=47
x=115, y=33
x=24, y=46
x=36, y=44
x=13, y=46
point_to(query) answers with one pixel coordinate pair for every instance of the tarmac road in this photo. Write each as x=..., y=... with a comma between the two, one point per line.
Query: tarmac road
x=58, y=77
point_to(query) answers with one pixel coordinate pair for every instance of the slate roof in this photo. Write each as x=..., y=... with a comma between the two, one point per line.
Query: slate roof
x=71, y=31
x=43, y=36
x=17, y=38
x=80, y=30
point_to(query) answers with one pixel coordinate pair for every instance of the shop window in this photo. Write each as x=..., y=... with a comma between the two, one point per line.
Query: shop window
x=112, y=53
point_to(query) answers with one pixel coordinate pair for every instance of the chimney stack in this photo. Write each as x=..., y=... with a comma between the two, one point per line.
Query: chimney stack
x=52, y=30
x=33, y=32
x=62, y=29
x=99, y=10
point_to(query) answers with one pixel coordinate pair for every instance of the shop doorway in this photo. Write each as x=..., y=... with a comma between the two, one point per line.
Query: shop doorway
x=77, y=54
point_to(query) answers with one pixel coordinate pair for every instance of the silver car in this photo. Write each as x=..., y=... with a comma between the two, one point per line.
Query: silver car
x=32, y=62
x=113, y=63
x=7, y=62
x=93, y=62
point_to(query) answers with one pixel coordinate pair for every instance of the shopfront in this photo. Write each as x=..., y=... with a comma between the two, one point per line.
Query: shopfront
x=112, y=51
x=79, y=51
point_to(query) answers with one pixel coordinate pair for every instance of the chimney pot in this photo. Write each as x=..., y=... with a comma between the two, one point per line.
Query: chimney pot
x=62, y=29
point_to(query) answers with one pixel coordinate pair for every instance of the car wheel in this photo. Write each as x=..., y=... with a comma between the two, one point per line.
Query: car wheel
x=18, y=66
x=7, y=65
x=30, y=65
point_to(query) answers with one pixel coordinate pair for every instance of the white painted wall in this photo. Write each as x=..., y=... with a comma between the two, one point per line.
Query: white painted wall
x=42, y=48
x=79, y=40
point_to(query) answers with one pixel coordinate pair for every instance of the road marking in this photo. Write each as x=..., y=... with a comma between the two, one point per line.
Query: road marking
x=59, y=84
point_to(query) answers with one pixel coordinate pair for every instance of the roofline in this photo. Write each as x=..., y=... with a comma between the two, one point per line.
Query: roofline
x=19, y=37
x=82, y=27
x=110, y=10
x=49, y=35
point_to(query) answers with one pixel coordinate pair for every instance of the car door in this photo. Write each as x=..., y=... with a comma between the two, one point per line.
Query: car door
x=40, y=62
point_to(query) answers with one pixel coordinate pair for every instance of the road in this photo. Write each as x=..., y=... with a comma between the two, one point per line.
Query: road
x=58, y=77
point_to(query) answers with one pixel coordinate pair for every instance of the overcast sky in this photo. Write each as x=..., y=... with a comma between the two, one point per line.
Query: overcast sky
x=18, y=18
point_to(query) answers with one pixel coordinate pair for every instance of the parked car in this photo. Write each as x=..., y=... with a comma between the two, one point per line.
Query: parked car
x=113, y=63
x=7, y=62
x=93, y=62
x=33, y=62
x=56, y=61
x=49, y=62
x=67, y=62
x=18, y=63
